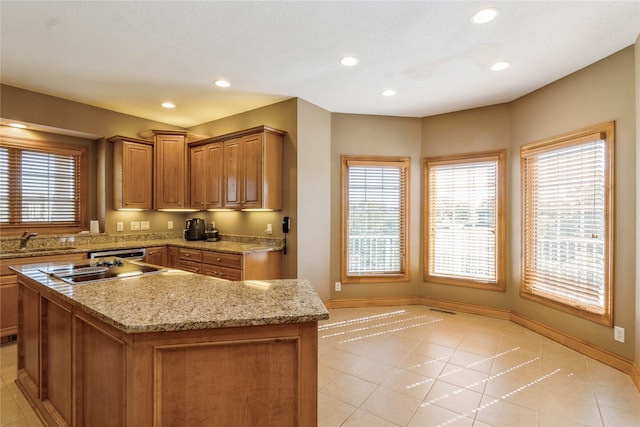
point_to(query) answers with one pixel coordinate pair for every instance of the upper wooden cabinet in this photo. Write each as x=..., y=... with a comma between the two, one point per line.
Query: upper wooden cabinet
x=206, y=173
x=170, y=181
x=132, y=173
x=251, y=165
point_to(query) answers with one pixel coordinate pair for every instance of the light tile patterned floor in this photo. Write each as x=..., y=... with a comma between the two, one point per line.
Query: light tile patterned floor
x=412, y=366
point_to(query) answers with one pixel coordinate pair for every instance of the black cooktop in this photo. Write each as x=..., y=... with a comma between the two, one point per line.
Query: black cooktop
x=100, y=269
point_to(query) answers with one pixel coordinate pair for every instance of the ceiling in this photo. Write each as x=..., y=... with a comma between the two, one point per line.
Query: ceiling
x=130, y=56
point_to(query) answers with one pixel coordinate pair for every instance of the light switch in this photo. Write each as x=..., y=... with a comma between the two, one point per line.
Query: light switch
x=135, y=225
x=145, y=225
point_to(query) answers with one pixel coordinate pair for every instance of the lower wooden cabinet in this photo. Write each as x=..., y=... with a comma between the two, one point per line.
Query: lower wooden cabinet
x=265, y=265
x=76, y=370
x=9, y=288
x=156, y=255
x=173, y=257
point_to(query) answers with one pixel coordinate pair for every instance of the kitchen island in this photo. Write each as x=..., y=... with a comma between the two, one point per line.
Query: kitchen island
x=168, y=349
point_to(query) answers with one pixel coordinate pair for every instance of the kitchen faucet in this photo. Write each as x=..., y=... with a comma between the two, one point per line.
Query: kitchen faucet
x=25, y=238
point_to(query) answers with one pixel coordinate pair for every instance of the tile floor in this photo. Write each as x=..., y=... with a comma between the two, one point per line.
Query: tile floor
x=412, y=366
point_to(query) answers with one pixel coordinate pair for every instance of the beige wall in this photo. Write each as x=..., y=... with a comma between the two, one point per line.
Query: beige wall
x=283, y=116
x=477, y=130
x=313, y=219
x=353, y=134
x=601, y=92
x=637, y=234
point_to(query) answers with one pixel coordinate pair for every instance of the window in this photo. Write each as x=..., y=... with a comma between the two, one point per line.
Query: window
x=42, y=186
x=567, y=207
x=465, y=226
x=374, y=219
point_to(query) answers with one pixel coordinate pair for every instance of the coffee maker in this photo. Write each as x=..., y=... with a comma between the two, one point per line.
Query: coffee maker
x=194, y=229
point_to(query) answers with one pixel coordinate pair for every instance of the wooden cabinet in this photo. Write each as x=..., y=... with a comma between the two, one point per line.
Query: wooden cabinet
x=251, y=165
x=190, y=260
x=9, y=288
x=77, y=370
x=170, y=170
x=222, y=265
x=265, y=265
x=9, y=309
x=173, y=257
x=132, y=173
x=197, y=170
x=233, y=176
x=157, y=255
x=253, y=171
x=206, y=173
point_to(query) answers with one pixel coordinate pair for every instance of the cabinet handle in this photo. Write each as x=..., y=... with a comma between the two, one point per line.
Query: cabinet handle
x=217, y=259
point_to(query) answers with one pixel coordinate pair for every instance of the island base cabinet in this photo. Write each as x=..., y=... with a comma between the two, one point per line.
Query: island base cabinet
x=76, y=370
x=44, y=356
x=100, y=377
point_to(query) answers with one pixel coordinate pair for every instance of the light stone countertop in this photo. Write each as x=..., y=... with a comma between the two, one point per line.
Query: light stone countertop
x=220, y=246
x=177, y=300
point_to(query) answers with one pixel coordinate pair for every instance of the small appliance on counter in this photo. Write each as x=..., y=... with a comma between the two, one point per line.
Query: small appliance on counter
x=212, y=234
x=194, y=229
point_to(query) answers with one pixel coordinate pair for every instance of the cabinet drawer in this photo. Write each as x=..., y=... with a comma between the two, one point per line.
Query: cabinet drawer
x=222, y=259
x=191, y=254
x=221, y=272
x=191, y=266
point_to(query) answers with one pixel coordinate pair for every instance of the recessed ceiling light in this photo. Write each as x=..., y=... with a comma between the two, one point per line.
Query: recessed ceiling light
x=499, y=66
x=349, y=61
x=222, y=83
x=485, y=15
x=168, y=105
x=388, y=92
x=17, y=125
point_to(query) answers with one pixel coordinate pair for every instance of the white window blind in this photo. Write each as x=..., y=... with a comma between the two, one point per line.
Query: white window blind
x=566, y=222
x=463, y=230
x=376, y=218
x=39, y=187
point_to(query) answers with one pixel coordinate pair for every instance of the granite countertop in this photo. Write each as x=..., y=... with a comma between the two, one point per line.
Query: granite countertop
x=177, y=300
x=220, y=246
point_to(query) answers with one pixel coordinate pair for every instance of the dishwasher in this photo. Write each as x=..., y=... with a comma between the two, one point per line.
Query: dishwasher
x=136, y=254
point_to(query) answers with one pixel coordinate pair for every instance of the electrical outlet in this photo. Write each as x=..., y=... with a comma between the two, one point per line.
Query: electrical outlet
x=119, y=226
x=338, y=286
x=135, y=225
x=169, y=225
x=618, y=334
x=145, y=225
x=269, y=229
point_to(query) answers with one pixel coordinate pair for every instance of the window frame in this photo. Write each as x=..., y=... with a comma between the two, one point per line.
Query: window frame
x=50, y=147
x=499, y=157
x=605, y=132
x=401, y=162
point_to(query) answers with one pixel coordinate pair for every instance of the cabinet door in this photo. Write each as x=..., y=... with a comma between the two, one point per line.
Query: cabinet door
x=233, y=173
x=198, y=169
x=214, y=175
x=8, y=305
x=173, y=255
x=57, y=358
x=170, y=172
x=29, y=337
x=157, y=255
x=137, y=176
x=253, y=163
